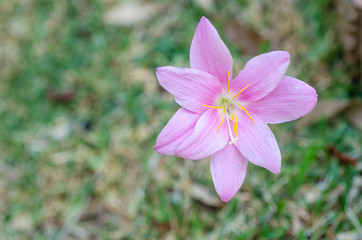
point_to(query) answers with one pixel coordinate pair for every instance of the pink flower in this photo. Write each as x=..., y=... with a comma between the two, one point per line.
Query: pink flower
x=227, y=119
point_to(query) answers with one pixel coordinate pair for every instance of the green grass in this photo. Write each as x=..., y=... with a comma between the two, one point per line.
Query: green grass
x=86, y=169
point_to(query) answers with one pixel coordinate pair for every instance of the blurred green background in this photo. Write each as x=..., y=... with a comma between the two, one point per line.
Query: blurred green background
x=80, y=109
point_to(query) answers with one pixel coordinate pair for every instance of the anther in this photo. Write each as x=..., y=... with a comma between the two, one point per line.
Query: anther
x=222, y=119
x=241, y=91
x=236, y=124
x=234, y=130
x=246, y=112
x=227, y=88
x=211, y=106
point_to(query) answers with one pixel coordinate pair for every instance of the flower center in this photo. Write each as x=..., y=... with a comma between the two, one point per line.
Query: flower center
x=225, y=100
x=228, y=104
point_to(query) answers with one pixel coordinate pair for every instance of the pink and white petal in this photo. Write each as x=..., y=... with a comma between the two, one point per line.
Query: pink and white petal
x=190, y=87
x=290, y=100
x=263, y=73
x=180, y=126
x=228, y=169
x=206, y=139
x=209, y=53
x=257, y=143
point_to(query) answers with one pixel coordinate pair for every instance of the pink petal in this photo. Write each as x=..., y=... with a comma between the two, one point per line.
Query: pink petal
x=190, y=87
x=206, y=139
x=209, y=53
x=180, y=126
x=257, y=143
x=262, y=73
x=290, y=100
x=228, y=169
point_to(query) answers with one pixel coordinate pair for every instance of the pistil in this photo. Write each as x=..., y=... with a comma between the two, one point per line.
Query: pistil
x=227, y=106
x=233, y=140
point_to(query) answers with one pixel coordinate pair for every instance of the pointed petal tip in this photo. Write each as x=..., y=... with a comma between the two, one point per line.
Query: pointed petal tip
x=280, y=54
x=159, y=69
x=163, y=68
x=315, y=93
x=314, y=98
x=203, y=18
x=275, y=171
x=205, y=23
x=284, y=53
x=209, y=53
x=275, y=168
x=157, y=149
x=162, y=151
x=226, y=197
x=228, y=169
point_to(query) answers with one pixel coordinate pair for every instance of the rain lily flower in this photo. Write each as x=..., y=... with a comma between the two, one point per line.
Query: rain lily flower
x=225, y=117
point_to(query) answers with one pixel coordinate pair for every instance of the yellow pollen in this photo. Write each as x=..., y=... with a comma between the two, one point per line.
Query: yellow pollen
x=222, y=118
x=245, y=111
x=240, y=91
x=236, y=124
x=232, y=117
x=211, y=106
x=227, y=89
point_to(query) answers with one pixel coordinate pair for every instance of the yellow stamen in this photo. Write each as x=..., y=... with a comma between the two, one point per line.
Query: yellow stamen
x=240, y=91
x=227, y=89
x=246, y=112
x=232, y=117
x=236, y=124
x=222, y=119
x=211, y=106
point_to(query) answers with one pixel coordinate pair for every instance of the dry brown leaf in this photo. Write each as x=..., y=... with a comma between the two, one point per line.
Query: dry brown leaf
x=204, y=195
x=324, y=108
x=130, y=12
x=61, y=97
x=354, y=114
x=342, y=157
x=244, y=37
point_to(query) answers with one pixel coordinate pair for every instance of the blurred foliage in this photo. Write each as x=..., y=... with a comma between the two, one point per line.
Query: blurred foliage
x=81, y=108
